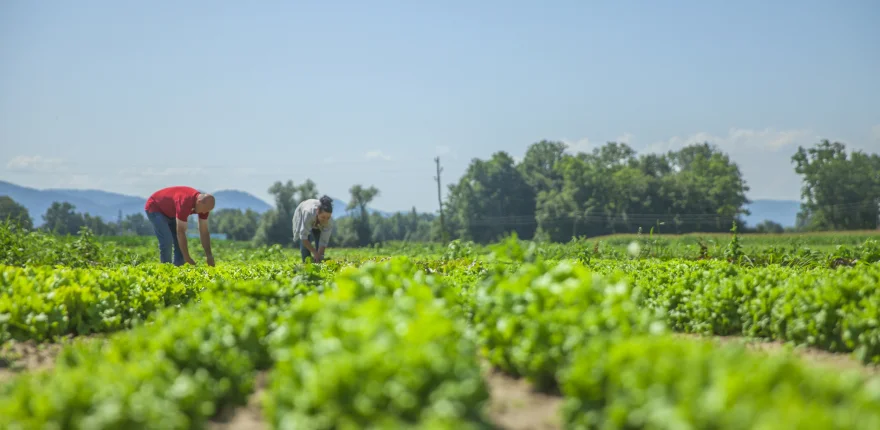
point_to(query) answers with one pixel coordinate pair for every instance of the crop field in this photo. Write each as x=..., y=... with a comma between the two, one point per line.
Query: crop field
x=622, y=332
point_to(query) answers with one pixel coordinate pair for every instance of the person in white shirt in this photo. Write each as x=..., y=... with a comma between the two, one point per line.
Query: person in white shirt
x=313, y=223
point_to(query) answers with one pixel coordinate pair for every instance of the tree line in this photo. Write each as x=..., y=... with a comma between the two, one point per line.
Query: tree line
x=360, y=228
x=554, y=195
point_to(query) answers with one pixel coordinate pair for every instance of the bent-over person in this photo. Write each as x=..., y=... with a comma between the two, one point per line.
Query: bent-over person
x=313, y=225
x=168, y=210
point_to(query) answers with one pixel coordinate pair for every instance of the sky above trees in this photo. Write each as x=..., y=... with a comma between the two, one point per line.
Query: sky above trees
x=134, y=97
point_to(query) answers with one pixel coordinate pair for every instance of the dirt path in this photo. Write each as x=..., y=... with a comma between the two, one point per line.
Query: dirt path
x=514, y=405
x=17, y=357
x=812, y=356
x=248, y=417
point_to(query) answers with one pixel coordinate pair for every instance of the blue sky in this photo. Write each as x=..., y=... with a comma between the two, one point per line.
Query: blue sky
x=222, y=95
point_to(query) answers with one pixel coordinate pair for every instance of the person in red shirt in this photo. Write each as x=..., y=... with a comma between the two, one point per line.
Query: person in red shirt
x=169, y=209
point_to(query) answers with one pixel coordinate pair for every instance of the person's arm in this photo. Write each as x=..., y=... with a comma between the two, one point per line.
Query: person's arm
x=205, y=236
x=305, y=221
x=325, y=240
x=181, y=240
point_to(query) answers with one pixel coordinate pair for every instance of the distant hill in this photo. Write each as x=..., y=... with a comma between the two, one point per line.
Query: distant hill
x=38, y=201
x=235, y=199
x=783, y=212
x=107, y=204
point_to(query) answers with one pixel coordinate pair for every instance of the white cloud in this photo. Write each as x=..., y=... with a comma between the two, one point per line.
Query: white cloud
x=442, y=150
x=376, y=155
x=34, y=163
x=740, y=139
x=586, y=145
x=626, y=138
x=580, y=145
x=875, y=133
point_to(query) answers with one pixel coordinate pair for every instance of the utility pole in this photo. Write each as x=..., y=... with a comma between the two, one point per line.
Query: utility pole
x=119, y=222
x=878, y=213
x=440, y=201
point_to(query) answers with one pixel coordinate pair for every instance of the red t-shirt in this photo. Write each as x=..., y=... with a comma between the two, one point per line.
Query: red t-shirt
x=175, y=202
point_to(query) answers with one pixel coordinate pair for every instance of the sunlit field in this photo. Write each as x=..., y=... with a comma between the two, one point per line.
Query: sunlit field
x=627, y=331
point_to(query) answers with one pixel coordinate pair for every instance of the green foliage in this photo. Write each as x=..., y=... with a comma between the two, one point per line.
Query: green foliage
x=237, y=225
x=392, y=336
x=557, y=195
x=44, y=303
x=376, y=351
x=458, y=249
x=529, y=322
x=492, y=200
x=20, y=247
x=276, y=225
x=360, y=198
x=768, y=226
x=665, y=382
x=733, y=252
x=841, y=191
x=172, y=374
x=60, y=218
x=14, y=213
x=834, y=310
x=138, y=225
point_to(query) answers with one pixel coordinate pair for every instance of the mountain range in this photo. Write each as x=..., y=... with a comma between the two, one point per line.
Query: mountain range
x=108, y=205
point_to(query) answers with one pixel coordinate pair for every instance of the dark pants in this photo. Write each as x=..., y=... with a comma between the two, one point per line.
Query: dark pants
x=314, y=237
x=166, y=231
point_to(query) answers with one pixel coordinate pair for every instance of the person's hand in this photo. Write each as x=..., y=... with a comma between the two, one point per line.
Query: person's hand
x=189, y=260
x=210, y=260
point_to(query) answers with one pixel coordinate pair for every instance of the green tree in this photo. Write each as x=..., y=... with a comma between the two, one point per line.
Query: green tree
x=610, y=189
x=137, y=224
x=97, y=225
x=539, y=167
x=541, y=170
x=237, y=224
x=308, y=190
x=768, y=226
x=61, y=219
x=276, y=225
x=707, y=186
x=840, y=191
x=15, y=213
x=360, y=198
x=492, y=200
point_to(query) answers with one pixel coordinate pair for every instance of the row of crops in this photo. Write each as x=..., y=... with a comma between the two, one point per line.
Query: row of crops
x=835, y=310
x=399, y=342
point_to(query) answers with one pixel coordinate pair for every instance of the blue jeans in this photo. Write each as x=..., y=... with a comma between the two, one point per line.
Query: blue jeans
x=166, y=231
x=314, y=238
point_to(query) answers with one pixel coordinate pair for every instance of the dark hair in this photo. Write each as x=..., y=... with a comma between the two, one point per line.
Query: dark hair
x=327, y=204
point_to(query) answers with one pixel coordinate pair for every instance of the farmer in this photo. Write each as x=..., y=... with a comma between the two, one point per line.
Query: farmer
x=168, y=209
x=312, y=223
